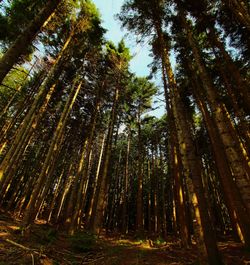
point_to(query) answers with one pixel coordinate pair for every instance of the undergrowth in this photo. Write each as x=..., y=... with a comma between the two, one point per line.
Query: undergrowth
x=83, y=242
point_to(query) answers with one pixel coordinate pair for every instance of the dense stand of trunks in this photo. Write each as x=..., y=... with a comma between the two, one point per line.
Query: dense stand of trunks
x=78, y=149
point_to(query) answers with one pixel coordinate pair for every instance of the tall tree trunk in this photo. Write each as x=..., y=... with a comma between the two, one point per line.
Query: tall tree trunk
x=19, y=89
x=102, y=193
x=237, y=212
x=65, y=191
x=149, y=214
x=163, y=197
x=33, y=206
x=241, y=86
x=237, y=160
x=92, y=206
x=208, y=249
x=240, y=9
x=40, y=98
x=7, y=131
x=126, y=182
x=205, y=234
x=22, y=139
x=83, y=170
x=180, y=203
x=139, y=199
x=23, y=41
x=176, y=169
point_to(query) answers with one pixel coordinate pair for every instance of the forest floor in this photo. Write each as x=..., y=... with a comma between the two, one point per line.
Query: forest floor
x=45, y=246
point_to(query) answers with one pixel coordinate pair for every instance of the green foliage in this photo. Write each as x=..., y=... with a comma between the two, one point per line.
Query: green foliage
x=50, y=235
x=15, y=78
x=46, y=236
x=159, y=241
x=83, y=242
x=103, y=69
x=15, y=18
x=118, y=57
x=137, y=16
x=140, y=93
x=196, y=263
x=140, y=238
x=141, y=254
x=115, y=250
x=12, y=83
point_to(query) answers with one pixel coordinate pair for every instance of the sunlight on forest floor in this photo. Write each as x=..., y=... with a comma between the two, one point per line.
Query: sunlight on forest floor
x=131, y=243
x=43, y=245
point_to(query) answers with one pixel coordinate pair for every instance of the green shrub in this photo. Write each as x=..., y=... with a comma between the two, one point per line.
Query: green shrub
x=83, y=242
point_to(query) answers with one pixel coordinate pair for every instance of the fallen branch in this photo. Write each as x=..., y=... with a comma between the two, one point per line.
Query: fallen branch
x=17, y=244
x=33, y=260
x=25, y=248
x=92, y=261
x=65, y=252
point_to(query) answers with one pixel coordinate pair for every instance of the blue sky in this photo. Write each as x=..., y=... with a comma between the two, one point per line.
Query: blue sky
x=108, y=9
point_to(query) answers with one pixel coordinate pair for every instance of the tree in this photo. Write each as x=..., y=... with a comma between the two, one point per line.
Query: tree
x=152, y=13
x=23, y=41
x=141, y=91
x=118, y=59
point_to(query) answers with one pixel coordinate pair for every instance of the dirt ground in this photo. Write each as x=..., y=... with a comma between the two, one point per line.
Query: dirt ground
x=43, y=245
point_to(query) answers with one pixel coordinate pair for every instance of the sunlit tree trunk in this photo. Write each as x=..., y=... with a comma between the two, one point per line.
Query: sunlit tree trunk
x=241, y=87
x=155, y=187
x=205, y=235
x=243, y=126
x=139, y=199
x=22, y=139
x=237, y=158
x=114, y=195
x=59, y=185
x=19, y=47
x=149, y=198
x=82, y=171
x=91, y=211
x=6, y=132
x=57, y=213
x=18, y=90
x=34, y=205
x=163, y=197
x=41, y=97
x=180, y=200
x=126, y=182
x=176, y=169
x=102, y=191
x=236, y=209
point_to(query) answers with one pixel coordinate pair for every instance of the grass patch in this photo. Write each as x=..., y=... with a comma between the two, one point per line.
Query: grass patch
x=83, y=242
x=115, y=250
x=46, y=236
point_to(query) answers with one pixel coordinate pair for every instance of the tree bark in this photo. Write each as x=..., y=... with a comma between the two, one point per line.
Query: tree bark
x=102, y=193
x=33, y=206
x=40, y=98
x=240, y=10
x=237, y=160
x=205, y=234
x=237, y=211
x=139, y=199
x=126, y=182
x=19, y=47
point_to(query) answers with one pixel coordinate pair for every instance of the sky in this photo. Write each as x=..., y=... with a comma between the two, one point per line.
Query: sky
x=140, y=52
x=108, y=10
